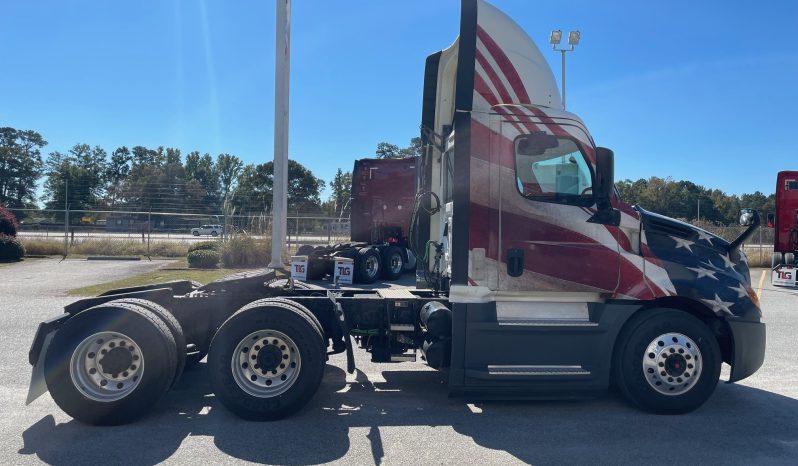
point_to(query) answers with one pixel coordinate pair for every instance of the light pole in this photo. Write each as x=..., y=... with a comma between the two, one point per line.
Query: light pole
x=282, y=65
x=573, y=41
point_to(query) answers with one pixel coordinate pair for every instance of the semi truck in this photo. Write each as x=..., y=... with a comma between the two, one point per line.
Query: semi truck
x=785, y=223
x=382, y=196
x=540, y=282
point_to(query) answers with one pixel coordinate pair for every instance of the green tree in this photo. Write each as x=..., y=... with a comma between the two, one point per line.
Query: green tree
x=228, y=167
x=20, y=166
x=116, y=172
x=392, y=151
x=202, y=170
x=254, y=191
x=77, y=178
x=341, y=187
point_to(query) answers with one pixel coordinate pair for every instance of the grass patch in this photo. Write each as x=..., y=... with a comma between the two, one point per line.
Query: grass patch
x=106, y=247
x=175, y=271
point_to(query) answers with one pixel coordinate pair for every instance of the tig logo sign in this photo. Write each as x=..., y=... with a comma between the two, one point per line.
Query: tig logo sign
x=299, y=268
x=344, y=269
x=783, y=277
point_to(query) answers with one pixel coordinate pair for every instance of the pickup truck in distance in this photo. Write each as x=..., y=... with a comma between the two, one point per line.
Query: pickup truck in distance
x=207, y=230
x=534, y=279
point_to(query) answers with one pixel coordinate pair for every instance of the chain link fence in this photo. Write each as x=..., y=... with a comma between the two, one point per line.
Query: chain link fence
x=156, y=230
x=45, y=228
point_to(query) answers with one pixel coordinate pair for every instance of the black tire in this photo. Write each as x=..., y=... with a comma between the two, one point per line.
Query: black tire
x=631, y=349
x=305, y=250
x=367, y=266
x=317, y=269
x=393, y=263
x=158, y=354
x=267, y=315
x=213, y=233
x=789, y=258
x=195, y=233
x=777, y=260
x=174, y=326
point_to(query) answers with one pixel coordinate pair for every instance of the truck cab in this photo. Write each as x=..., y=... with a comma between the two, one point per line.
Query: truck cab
x=784, y=271
x=555, y=283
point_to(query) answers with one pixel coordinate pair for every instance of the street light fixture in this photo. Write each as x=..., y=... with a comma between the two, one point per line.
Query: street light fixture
x=556, y=37
x=573, y=41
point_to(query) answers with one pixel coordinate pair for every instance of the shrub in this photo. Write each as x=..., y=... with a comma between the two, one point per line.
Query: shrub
x=244, y=251
x=205, y=246
x=11, y=249
x=203, y=259
x=8, y=222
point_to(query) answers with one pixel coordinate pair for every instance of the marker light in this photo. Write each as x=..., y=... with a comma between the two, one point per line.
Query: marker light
x=556, y=37
x=573, y=37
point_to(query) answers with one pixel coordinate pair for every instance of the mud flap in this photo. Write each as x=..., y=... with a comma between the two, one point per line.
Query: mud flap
x=38, y=385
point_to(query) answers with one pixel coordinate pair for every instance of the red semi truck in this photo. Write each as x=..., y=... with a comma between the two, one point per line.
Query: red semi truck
x=542, y=282
x=785, y=243
x=382, y=197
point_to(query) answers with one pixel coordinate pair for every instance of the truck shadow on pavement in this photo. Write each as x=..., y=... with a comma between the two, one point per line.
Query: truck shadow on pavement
x=738, y=425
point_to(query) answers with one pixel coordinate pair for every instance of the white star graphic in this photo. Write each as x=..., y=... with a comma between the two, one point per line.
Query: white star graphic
x=683, y=243
x=740, y=289
x=709, y=264
x=718, y=304
x=702, y=272
x=743, y=257
x=705, y=235
x=727, y=262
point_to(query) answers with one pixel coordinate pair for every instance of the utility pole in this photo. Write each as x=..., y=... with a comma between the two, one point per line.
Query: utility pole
x=282, y=64
x=699, y=209
x=66, y=217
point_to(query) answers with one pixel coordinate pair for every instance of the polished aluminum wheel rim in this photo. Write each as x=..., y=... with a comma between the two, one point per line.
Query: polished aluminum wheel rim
x=396, y=264
x=672, y=364
x=266, y=363
x=372, y=266
x=106, y=366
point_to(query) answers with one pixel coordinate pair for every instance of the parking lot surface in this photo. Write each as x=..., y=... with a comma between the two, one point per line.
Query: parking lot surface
x=385, y=413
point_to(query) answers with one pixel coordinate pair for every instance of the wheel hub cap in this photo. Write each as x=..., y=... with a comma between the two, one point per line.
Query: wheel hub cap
x=266, y=363
x=106, y=366
x=672, y=364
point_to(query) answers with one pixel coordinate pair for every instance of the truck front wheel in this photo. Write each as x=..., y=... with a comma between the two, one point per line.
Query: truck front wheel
x=266, y=361
x=110, y=364
x=667, y=362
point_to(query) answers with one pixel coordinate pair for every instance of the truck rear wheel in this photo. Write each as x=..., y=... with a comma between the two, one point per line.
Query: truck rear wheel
x=777, y=260
x=393, y=263
x=667, y=362
x=367, y=265
x=267, y=360
x=110, y=364
x=174, y=327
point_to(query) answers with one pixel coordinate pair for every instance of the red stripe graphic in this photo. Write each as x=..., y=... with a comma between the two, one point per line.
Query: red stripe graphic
x=505, y=65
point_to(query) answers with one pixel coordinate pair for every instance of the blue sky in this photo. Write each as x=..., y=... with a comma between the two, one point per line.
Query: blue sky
x=704, y=91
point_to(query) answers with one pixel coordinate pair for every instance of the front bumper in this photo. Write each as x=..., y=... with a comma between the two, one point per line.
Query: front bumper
x=748, y=348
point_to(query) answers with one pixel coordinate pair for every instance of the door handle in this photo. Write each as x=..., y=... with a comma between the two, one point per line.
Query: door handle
x=515, y=262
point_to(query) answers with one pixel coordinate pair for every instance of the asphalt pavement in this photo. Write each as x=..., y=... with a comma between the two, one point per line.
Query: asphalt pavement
x=386, y=413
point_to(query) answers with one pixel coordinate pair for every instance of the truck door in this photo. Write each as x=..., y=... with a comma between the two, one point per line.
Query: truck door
x=555, y=270
x=546, y=241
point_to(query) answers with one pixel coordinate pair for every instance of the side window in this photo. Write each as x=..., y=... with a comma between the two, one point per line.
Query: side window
x=552, y=169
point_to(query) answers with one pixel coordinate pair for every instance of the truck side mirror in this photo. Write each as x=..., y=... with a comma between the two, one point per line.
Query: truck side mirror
x=603, y=189
x=747, y=217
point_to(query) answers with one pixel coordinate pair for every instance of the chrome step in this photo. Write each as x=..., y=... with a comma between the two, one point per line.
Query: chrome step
x=549, y=323
x=537, y=370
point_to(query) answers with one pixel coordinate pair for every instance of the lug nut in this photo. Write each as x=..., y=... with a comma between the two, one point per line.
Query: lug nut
x=91, y=355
